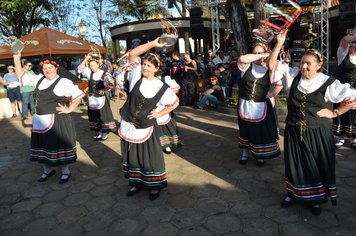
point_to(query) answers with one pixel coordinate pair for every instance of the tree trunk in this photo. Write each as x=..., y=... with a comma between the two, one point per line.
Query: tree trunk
x=259, y=11
x=240, y=26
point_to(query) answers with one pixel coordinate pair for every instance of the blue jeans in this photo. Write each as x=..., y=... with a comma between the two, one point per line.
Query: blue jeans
x=27, y=99
x=212, y=100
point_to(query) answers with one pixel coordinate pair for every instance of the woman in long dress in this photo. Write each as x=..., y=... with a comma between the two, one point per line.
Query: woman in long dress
x=143, y=162
x=309, y=151
x=53, y=140
x=257, y=124
x=100, y=115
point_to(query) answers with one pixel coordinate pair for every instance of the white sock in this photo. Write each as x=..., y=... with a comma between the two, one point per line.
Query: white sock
x=47, y=169
x=104, y=135
x=288, y=199
x=245, y=154
x=65, y=169
x=168, y=149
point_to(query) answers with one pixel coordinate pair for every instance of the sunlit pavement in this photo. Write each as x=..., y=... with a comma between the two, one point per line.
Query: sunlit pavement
x=208, y=193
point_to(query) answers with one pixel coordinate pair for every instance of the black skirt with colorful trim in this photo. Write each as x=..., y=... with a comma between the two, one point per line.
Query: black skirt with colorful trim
x=260, y=137
x=57, y=146
x=169, y=134
x=347, y=124
x=102, y=119
x=310, y=164
x=143, y=163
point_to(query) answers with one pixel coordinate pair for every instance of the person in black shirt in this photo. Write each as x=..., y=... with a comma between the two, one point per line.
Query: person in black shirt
x=176, y=68
x=214, y=94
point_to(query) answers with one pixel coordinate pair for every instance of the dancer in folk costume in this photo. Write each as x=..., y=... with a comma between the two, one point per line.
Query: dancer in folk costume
x=169, y=135
x=53, y=140
x=346, y=56
x=257, y=124
x=100, y=115
x=309, y=151
x=142, y=154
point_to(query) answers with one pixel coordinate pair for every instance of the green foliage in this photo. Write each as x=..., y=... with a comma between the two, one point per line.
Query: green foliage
x=20, y=17
x=140, y=9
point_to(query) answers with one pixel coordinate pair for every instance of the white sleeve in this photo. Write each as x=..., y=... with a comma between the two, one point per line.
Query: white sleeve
x=289, y=73
x=339, y=92
x=171, y=82
x=86, y=72
x=134, y=75
x=243, y=67
x=65, y=87
x=35, y=78
x=341, y=54
x=169, y=98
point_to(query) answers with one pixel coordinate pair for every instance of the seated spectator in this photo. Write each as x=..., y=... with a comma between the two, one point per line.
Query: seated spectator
x=214, y=94
x=224, y=78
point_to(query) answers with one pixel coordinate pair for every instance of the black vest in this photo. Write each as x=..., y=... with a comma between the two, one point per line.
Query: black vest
x=253, y=88
x=46, y=100
x=137, y=107
x=347, y=72
x=302, y=108
x=96, y=85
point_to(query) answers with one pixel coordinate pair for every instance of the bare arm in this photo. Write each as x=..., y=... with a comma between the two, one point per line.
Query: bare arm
x=343, y=108
x=166, y=110
x=272, y=59
x=248, y=58
x=344, y=43
x=17, y=63
x=136, y=52
x=64, y=109
x=310, y=31
x=83, y=64
x=194, y=68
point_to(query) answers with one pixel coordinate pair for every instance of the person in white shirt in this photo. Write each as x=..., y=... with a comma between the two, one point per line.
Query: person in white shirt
x=346, y=58
x=143, y=162
x=53, y=141
x=100, y=115
x=309, y=150
x=257, y=122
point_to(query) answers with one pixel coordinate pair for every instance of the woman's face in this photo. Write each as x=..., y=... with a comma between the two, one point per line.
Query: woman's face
x=148, y=69
x=94, y=66
x=258, y=50
x=309, y=66
x=50, y=71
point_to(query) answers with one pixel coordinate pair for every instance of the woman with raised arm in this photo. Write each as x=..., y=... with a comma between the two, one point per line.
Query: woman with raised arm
x=53, y=140
x=257, y=125
x=142, y=154
x=100, y=115
x=309, y=151
x=346, y=58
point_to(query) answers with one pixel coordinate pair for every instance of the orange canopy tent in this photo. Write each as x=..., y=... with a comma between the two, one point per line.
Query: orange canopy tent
x=48, y=41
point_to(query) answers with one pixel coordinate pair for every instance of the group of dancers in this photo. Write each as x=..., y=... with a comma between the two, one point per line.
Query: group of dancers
x=309, y=146
x=147, y=126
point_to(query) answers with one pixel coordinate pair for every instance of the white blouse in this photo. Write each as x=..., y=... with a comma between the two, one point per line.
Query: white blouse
x=174, y=86
x=64, y=88
x=149, y=89
x=335, y=92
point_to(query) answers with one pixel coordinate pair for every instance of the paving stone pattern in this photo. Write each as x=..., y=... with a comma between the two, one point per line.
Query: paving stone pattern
x=209, y=193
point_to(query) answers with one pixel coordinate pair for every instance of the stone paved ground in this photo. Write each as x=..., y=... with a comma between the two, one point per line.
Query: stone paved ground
x=209, y=193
